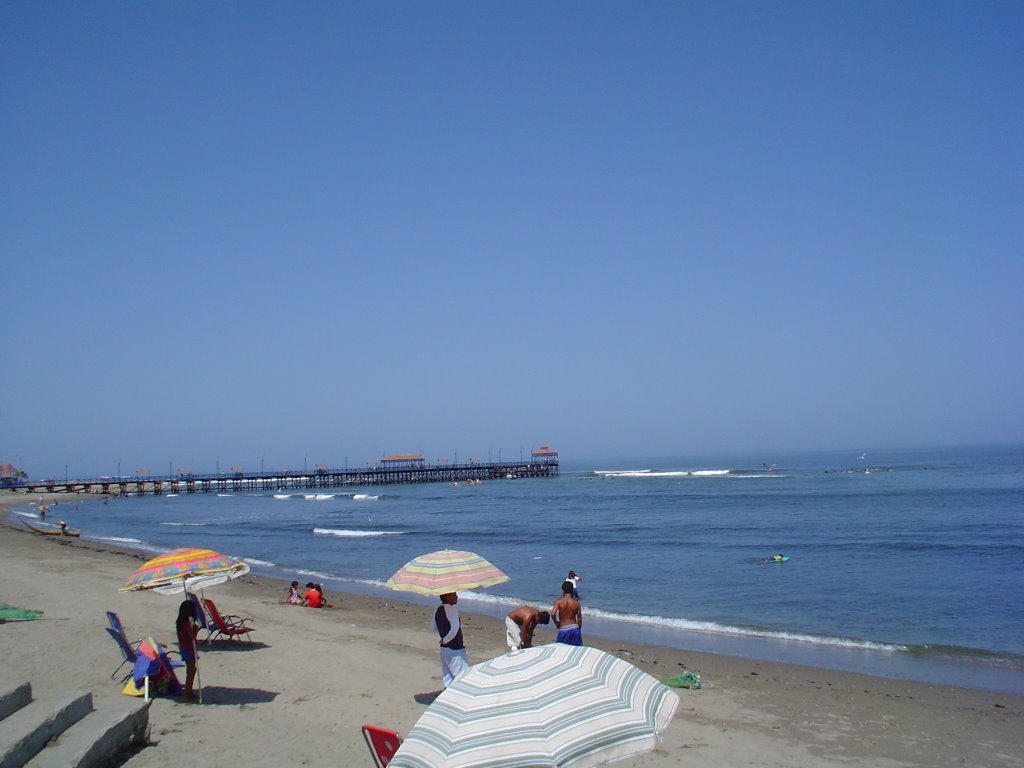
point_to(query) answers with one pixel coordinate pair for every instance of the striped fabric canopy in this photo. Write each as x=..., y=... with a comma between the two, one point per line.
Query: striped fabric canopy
x=172, y=570
x=552, y=705
x=446, y=571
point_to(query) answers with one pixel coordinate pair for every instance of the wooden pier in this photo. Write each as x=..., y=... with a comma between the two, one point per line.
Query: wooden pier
x=391, y=470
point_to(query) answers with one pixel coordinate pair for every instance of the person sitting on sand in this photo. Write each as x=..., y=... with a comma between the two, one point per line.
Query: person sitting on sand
x=520, y=624
x=314, y=598
x=187, y=629
x=568, y=616
x=294, y=597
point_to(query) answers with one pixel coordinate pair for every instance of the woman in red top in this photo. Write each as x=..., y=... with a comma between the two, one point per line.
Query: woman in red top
x=187, y=629
x=314, y=597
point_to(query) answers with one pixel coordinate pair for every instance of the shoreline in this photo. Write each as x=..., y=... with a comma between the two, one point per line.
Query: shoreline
x=985, y=672
x=301, y=691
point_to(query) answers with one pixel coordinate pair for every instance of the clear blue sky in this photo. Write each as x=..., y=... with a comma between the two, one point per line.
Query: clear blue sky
x=300, y=232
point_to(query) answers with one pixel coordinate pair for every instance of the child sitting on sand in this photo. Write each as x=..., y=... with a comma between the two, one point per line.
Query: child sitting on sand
x=294, y=596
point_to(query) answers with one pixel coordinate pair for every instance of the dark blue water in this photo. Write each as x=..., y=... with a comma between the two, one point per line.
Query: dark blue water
x=904, y=564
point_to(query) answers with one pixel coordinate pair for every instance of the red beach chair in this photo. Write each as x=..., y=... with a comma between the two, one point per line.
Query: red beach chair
x=383, y=743
x=225, y=626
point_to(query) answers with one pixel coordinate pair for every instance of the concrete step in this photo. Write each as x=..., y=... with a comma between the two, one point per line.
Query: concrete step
x=13, y=696
x=25, y=732
x=95, y=740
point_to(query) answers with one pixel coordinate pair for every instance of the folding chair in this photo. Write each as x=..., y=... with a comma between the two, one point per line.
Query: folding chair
x=127, y=651
x=228, y=626
x=383, y=743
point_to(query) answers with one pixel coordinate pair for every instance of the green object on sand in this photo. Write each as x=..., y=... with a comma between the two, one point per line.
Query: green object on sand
x=686, y=679
x=10, y=613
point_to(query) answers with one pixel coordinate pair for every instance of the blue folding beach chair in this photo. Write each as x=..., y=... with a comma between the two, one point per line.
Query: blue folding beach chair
x=127, y=651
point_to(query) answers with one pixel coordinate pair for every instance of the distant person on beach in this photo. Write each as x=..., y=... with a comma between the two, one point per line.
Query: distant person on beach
x=575, y=579
x=187, y=629
x=520, y=624
x=568, y=617
x=294, y=596
x=449, y=628
x=314, y=597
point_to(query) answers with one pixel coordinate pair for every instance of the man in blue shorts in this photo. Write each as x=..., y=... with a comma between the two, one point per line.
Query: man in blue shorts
x=568, y=617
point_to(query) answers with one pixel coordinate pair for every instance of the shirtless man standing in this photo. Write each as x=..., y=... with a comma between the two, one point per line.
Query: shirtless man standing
x=520, y=624
x=568, y=617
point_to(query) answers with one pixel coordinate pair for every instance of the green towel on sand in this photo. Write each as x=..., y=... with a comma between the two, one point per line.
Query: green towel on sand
x=10, y=613
x=687, y=679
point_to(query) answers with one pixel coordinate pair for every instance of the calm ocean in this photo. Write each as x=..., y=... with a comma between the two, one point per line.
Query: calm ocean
x=905, y=564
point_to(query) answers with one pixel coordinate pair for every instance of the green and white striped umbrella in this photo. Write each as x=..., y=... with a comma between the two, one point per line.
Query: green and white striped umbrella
x=552, y=705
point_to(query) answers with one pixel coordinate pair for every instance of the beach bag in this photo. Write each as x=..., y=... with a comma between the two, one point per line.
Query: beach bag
x=686, y=679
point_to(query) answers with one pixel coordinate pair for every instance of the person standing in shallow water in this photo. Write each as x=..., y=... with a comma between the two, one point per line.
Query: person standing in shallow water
x=568, y=617
x=575, y=579
x=449, y=628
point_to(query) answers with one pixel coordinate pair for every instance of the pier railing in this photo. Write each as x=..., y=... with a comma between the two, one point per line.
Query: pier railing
x=227, y=482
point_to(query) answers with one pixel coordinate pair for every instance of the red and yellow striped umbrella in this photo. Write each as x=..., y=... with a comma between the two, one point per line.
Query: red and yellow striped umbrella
x=184, y=565
x=446, y=571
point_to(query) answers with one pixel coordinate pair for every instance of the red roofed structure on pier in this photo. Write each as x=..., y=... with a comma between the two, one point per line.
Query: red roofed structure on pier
x=543, y=455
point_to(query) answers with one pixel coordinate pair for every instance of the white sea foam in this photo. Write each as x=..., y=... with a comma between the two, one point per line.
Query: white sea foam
x=282, y=495
x=119, y=539
x=254, y=561
x=225, y=495
x=667, y=473
x=487, y=597
x=354, y=534
x=317, y=574
x=711, y=627
x=620, y=471
x=363, y=497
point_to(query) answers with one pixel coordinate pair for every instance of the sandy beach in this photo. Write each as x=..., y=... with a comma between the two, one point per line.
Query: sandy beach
x=300, y=692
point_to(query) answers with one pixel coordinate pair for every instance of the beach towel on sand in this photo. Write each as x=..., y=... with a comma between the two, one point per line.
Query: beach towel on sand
x=10, y=613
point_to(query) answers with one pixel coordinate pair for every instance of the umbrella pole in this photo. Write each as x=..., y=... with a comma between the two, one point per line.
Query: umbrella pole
x=199, y=683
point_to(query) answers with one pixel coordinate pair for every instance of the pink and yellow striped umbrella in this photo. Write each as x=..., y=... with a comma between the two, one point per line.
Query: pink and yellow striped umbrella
x=182, y=567
x=446, y=571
